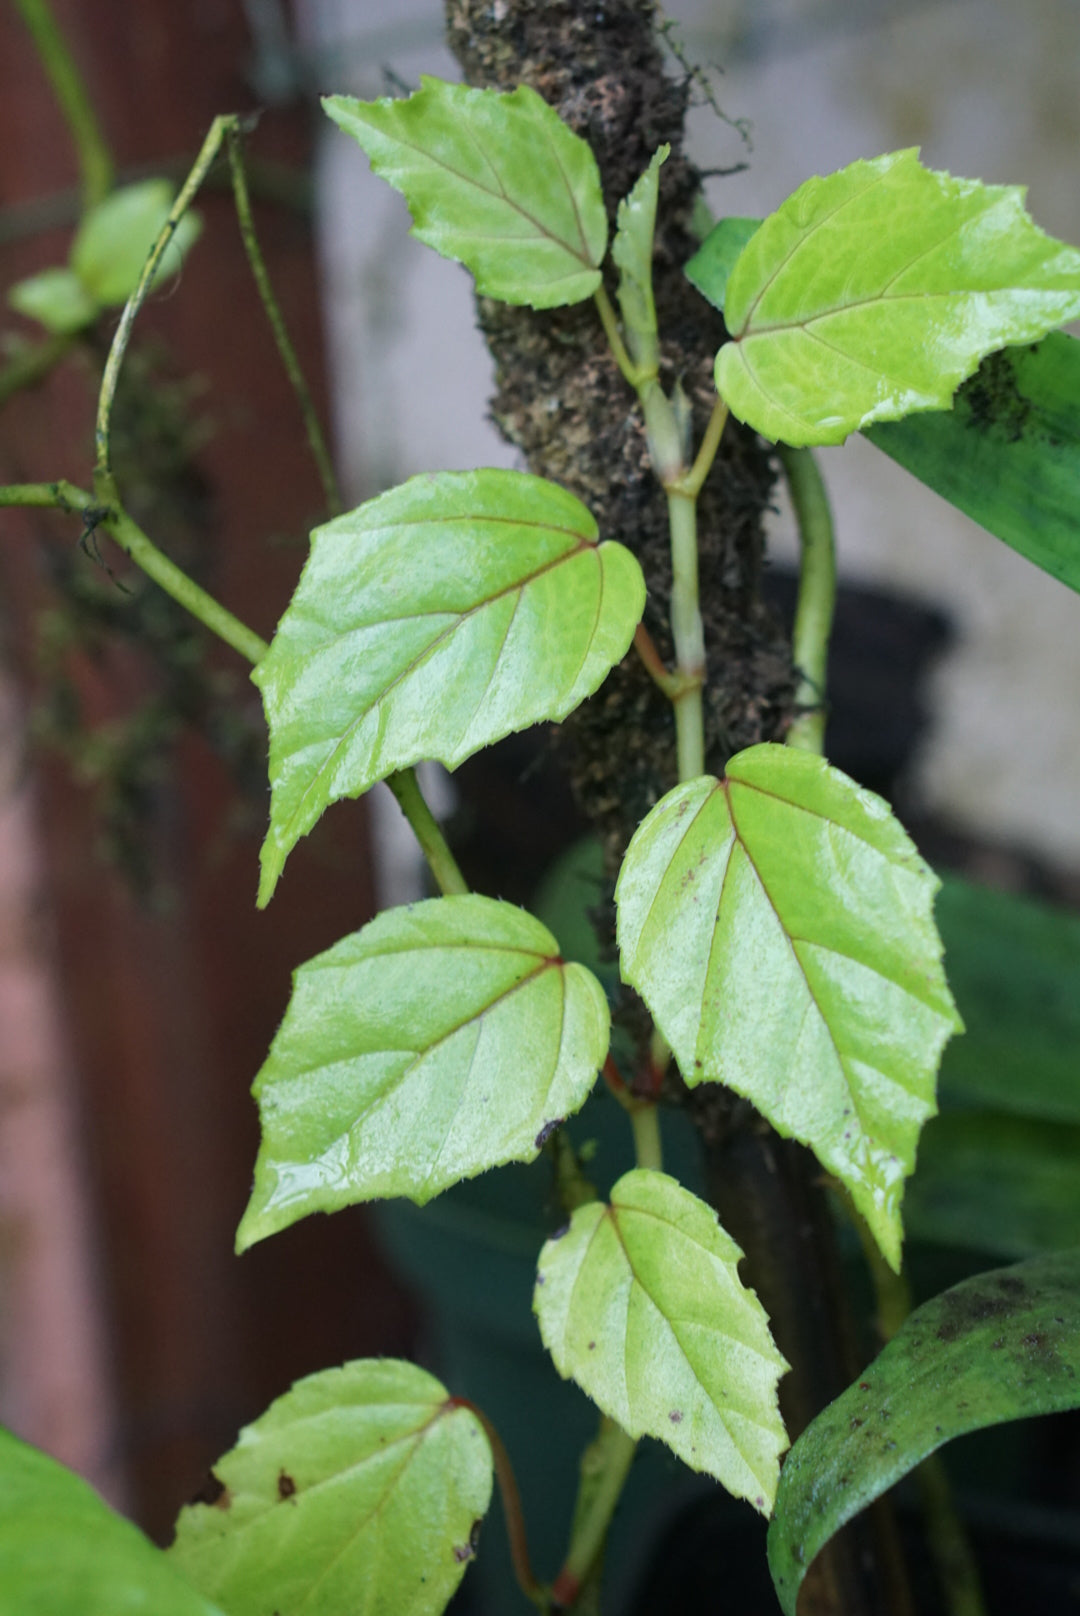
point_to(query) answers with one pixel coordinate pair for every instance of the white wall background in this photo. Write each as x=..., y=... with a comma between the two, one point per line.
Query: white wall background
x=988, y=88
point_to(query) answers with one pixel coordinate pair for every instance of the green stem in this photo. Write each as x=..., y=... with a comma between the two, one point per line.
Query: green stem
x=688, y=634
x=694, y=479
x=211, y=146
x=648, y=1148
x=67, y=83
x=615, y=342
x=110, y=515
x=441, y=862
x=605, y=1466
x=33, y=364
x=270, y=303
x=817, y=597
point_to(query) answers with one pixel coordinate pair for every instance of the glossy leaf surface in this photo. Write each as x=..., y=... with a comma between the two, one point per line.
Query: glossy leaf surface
x=632, y=251
x=999, y=1184
x=641, y=1304
x=496, y=181
x=710, y=268
x=429, y=623
x=442, y=1039
x=1008, y=453
x=114, y=240
x=874, y=292
x=779, y=926
x=362, y=1489
x=1002, y=1346
x=63, y=1552
x=57, y=299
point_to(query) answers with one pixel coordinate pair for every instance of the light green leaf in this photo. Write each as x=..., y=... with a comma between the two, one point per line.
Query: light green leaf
x=64, y=1553
x=778, y=924
x=640, y=1303
x=56, y=298
x=114, y=240
x=1008, y=453
x=429, y=623
x=632, y=251
x=443, y=1039
x=710, y=268
x=875, y=291
x=496, y=181
x=1002, y=1346
x=362, y=1488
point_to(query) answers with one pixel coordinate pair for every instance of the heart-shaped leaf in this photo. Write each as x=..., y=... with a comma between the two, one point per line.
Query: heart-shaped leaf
x=875, y=291
x=429, y=623
x=64, y=1553
x=496, y=181
x=640, y=1302
x=778, y=924
x=632, y=251
x=443, y=1039
x=1002, y=1346
x=363, y=1488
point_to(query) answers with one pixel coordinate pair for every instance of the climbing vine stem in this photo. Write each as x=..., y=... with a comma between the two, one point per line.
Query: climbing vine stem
x=95, y=162
x=816, y=600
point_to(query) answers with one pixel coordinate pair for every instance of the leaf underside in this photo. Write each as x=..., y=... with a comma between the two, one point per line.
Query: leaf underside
x=710, y=267
x=779, y=926
x=1008, y=453
x=429, y=623
x=442, y=1039
x=496, y=181
x=874, y=292
x=63, y=1552
x=362, y=1488
x=640, y=1303
x=1002, y=1346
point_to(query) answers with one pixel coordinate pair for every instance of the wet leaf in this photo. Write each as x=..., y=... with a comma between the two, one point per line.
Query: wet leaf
x=362, y=1488
x=632, y=251
x=1008, y=453
x=641, y=1304
x=429, y=623
x=114, y=240
x=779, y=926
x=496, y=181
x=57, y=299
x=442, y=1039
x=1002, y=1346
x=874, y=292
x=63, y=1552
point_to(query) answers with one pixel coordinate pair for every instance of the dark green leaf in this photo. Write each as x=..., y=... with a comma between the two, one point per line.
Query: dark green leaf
x=874, y=292
x=64, y=1553
x=779, y=925
x=1004, y=1185
x=711, y=266
x=640, y=1302
x=429, y=623
x=1008, y=453
x=1002, y=1346
x=442, y=1039
x=362, y=1489
x=1014, y=967
x=496, y=181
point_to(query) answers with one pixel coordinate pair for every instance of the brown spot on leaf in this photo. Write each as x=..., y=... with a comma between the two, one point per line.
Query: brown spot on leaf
x=214, y=1492
x=675, y=1416
x=546, y=1132
x=286, y=1486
